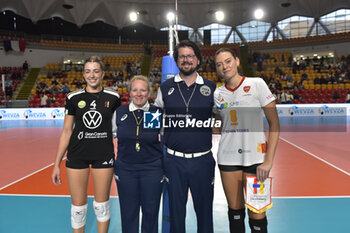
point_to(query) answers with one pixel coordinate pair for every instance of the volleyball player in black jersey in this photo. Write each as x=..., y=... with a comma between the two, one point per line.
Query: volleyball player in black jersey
x=87, y=138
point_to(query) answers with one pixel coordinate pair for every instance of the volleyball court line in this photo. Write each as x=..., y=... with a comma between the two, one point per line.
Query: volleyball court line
x=27, y=176
x=315, y=156
x=32, y=195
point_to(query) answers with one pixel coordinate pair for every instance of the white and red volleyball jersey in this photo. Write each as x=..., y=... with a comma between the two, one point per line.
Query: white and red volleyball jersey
x=243, y=141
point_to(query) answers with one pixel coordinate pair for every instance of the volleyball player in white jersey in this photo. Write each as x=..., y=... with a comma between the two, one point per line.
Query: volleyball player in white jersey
x=243, y=150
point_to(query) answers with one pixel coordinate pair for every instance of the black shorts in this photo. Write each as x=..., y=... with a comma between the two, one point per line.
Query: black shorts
x=82, y=163
x=231, y=168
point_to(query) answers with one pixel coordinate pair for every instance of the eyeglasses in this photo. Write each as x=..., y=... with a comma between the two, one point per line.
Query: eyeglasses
x=188, y=57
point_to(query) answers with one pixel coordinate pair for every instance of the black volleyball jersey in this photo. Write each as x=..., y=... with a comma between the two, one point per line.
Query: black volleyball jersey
x=92, y=134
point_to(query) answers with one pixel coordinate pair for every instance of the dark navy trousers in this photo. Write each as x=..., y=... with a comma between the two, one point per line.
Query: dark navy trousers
x=139, y=186
x=196, y=174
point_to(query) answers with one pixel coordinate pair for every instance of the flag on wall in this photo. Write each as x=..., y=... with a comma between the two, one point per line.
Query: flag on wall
x=7, y=45
x=22, y=45
x=14, y=45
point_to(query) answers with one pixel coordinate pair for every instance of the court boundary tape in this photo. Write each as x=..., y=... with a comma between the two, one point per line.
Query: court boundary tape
x=33, y=173
x=315, y=156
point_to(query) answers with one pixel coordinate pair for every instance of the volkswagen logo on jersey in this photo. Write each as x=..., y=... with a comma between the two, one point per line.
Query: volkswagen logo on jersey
x=205, y=90
x=171, y=91
x=92, y=119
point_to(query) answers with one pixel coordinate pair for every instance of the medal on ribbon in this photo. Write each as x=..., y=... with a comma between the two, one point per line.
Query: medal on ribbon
x=258, y=194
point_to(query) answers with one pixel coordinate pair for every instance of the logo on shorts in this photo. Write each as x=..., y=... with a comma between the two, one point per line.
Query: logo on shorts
x=92, y=119
x=111, y=162
x=152, y=120
x=205, y=90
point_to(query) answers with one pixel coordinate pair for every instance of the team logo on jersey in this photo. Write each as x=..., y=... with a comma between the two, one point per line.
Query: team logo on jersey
x=106, y=104
x=246, y=89
x=80, y=135
x=171, y=91
x=243, y=151
x=81, y=104
x=261, y=148
x=223, y=105
x=124, y=117
x=205, y=90
x=219, y=97
x=92, y=119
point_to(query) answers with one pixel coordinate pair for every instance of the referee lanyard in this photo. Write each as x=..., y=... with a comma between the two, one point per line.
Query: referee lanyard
x=137, y=146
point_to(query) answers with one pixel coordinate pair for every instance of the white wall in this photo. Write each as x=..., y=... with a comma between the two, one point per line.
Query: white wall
x=40, y=57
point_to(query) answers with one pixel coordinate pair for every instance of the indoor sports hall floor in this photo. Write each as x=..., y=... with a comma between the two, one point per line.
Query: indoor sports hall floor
x=311, y=181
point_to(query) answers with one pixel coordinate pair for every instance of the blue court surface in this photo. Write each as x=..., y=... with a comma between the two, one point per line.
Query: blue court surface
x=41, y=214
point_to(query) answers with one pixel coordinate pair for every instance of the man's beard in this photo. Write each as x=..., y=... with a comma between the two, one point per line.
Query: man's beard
x=188, y=72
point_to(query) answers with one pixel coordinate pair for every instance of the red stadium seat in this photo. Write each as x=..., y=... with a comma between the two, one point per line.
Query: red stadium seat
x=340, y=101
x=323, y=100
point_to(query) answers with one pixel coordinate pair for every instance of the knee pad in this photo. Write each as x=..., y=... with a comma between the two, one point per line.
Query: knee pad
x=236, y=220
x=102, y=211
x=78, y=216
x=258, y=225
